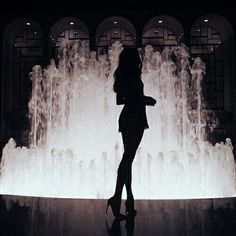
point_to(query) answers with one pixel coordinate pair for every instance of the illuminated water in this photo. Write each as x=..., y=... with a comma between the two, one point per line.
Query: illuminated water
x=75, y=147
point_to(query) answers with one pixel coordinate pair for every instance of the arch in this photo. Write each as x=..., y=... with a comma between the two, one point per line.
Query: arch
x=115, y=28
x=13, y=29
x=169, y=29
x=211, y=38
x=217, y=22
x=65, y=25
x=117, y=22
x=22, y=49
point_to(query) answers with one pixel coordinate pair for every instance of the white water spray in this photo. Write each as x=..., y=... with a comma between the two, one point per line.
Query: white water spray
x=75, y=147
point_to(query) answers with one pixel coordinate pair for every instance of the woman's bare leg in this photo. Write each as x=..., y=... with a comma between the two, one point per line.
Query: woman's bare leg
x=131, y=141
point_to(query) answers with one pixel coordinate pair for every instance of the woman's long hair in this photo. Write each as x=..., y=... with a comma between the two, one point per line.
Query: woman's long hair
x=129, y=68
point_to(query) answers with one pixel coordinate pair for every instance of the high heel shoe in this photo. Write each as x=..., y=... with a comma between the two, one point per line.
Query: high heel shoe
x=115, y=203
x=130, y=211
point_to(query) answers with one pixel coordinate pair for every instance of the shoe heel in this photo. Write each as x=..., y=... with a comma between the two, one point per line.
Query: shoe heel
x=130, y=211
x=114, y=203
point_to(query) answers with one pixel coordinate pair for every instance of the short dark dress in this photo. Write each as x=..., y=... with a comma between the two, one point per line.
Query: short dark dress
x=133, y=114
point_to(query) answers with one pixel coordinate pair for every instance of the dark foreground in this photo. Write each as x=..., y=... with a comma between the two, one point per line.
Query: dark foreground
x=50, y=216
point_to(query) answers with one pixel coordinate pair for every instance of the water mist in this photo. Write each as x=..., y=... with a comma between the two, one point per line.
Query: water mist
x=75, y=147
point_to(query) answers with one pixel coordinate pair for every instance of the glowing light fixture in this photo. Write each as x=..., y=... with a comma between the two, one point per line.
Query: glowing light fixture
x=160, y=21
x=205, y=20
x=115, y=22
x=72, y=23
x=28, y=23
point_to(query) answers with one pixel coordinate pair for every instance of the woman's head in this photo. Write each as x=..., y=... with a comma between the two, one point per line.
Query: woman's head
x=129, y=58
x=129, y=67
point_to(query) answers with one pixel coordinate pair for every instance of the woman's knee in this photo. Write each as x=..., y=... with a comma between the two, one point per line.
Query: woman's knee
x=129, y=155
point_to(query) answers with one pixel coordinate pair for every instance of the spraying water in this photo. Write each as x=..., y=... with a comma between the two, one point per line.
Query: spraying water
x=75, y=147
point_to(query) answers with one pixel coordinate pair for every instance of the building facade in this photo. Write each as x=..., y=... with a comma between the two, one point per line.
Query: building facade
x=32, y=37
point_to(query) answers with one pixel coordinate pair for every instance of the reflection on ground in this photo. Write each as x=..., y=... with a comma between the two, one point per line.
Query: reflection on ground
x=48, y=216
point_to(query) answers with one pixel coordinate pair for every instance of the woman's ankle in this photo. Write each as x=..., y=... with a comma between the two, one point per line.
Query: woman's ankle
x=117, y=196
x=130, y=196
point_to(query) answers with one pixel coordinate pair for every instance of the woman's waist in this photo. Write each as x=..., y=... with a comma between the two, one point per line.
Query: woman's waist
x=134, y=106
x=133, y=109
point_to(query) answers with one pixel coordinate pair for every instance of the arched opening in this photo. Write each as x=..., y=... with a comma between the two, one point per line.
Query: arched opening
x=162, y=31
x=114, y=29
x=65, y=32
x=212, y=39
x=22, y=49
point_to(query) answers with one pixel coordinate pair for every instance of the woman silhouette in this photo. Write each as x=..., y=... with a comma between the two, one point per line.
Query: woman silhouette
x=132, y=122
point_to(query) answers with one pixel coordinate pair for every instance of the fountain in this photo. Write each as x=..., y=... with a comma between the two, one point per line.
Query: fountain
x=75, y=148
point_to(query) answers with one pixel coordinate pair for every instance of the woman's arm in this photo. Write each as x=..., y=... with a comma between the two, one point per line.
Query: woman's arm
x=127, y=98
x=120, y=99
x=132, y=94
x=128, y=95
x=149, y=101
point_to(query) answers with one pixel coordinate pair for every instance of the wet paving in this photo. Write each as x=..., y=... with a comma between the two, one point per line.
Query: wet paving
x=51, y=216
